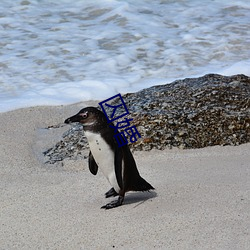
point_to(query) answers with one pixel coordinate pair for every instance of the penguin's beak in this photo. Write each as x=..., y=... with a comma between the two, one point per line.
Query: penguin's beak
x=74, y=118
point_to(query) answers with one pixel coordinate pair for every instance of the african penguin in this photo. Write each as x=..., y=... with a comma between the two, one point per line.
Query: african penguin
x=116, y=163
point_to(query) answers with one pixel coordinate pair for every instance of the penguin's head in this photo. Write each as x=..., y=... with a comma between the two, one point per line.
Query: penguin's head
x=89, y=117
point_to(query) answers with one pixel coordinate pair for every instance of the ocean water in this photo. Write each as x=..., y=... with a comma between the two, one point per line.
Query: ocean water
x=61, y=52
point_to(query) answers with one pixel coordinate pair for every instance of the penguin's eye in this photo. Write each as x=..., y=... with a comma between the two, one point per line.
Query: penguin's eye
x=84, y=115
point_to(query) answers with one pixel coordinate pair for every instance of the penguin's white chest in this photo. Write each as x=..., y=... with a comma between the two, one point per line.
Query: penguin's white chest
x=104, y=157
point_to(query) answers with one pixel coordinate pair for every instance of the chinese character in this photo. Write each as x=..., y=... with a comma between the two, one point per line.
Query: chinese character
x=121, y=139
x=104, y=104
x=133, y=134
x=126, y=120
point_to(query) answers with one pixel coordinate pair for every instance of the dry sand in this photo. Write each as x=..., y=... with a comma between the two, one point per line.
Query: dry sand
x=201, y=201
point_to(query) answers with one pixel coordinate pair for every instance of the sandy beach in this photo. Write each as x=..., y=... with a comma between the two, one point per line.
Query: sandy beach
x=201, y=198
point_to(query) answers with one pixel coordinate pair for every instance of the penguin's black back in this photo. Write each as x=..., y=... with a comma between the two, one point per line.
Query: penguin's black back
x=132, y=179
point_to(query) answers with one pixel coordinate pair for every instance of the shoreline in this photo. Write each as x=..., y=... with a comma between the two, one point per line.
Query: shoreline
x=201, y=198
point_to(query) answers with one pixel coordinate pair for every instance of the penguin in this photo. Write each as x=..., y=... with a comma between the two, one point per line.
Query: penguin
x=116, y=163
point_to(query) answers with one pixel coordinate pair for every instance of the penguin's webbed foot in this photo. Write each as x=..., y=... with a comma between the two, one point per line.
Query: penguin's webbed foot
x=113, y=204
x=111, y=193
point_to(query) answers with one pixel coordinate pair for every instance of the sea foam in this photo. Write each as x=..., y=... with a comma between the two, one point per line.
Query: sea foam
x=63, y=52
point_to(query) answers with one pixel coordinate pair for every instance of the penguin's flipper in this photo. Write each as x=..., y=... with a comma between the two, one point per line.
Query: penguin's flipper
x=118, y=166
x=93, y=167
x=111, y=193
x=113, y=204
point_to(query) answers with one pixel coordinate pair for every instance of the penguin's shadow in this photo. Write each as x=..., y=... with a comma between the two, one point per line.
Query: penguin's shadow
x=138, y=198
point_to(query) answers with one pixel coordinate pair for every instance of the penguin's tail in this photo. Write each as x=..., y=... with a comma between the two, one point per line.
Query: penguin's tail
x=141, y=185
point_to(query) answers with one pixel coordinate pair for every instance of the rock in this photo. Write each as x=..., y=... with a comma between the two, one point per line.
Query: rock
x=190, y=113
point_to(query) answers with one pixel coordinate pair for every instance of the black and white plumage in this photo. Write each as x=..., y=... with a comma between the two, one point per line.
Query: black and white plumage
x=116, y=163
